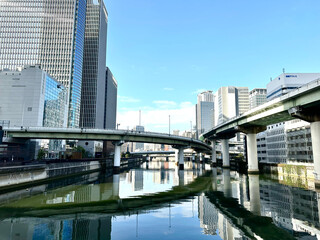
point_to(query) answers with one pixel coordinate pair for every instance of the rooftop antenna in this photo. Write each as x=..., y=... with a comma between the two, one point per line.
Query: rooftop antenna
x=139, y=117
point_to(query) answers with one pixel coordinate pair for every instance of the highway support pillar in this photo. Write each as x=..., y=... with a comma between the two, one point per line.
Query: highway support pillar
x=201, y=157
x=225, y=153
x=214, y=154
x=181, y=158
x=312, y=116
x=315, y=138
x=254, y=194
x=252, y=155
x=117, y=156
x=253, y=167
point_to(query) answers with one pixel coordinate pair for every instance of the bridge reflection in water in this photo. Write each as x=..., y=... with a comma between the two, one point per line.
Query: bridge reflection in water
x=196, y=217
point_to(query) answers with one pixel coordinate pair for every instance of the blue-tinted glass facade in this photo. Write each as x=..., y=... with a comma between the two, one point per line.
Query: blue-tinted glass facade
x=54, y=104
x=77, y=62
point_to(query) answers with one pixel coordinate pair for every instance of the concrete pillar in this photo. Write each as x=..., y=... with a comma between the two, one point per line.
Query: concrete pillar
x=225, y=153
x=201, y=157
x=181, y=177
x=115, y=185
x=214, y=179
x=214, y=154
x=117, y=158
x=176, y=154
x=227, y=188
x=193, y=158
x=315, y=137
x=253, y=167
x=254, y=193
x=181, y=158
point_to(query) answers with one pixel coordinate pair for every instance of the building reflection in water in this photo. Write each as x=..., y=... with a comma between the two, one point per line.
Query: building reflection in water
x=291, y=208
x=78, y=228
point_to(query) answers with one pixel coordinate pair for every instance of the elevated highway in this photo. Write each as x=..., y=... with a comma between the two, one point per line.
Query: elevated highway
x=117, y=136
x=302, y=103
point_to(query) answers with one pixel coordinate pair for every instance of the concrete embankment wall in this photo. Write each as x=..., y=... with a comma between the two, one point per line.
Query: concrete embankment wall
x=24, y=175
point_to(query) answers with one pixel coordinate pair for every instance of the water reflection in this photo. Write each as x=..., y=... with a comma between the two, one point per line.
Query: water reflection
x=200, y=217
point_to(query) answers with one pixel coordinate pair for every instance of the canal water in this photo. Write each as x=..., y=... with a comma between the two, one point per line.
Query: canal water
x=158, y=201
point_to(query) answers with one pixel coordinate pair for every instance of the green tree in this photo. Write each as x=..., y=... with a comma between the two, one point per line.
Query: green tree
x=82, y=150
x=41, y=154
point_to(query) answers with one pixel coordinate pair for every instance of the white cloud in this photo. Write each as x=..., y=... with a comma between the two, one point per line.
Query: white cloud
x=196, y=92
x=128, y=99
x=157, y=119
x=164, y=104
x=168, y=89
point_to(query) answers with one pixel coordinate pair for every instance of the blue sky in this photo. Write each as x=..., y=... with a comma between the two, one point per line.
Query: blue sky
x=163, y=52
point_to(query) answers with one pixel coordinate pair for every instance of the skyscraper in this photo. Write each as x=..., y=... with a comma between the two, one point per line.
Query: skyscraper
x=94, y=64
x=230, y=102
x=204, y=112
x=110, y=112
x=49, y=33
x=257, y=97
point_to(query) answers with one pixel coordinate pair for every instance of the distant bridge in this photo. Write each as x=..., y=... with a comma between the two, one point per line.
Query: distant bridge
x=117, y=136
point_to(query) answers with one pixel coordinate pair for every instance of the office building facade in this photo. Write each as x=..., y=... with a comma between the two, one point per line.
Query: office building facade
x=288, y=142
x=48, y=33
x=204, y=112
x=39, y=101
x=111, y=90
x=257, y=97
x=94, y=64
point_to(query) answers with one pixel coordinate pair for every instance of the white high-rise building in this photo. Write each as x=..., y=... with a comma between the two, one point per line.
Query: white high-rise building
x=288, y=141
x=257, y=97
x=48, y=33
x=205, y=112
x=231, y=102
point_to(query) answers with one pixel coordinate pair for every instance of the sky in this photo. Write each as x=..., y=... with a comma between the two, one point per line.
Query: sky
x=163, y=53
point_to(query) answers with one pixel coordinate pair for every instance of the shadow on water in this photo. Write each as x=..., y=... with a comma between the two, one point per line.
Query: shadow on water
x=249, y=223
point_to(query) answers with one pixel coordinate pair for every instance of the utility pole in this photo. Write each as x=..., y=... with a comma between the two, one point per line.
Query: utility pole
x=169, y=124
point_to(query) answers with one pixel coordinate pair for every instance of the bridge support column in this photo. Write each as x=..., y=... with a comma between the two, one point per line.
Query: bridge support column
x=315, y=137
x=117, y=156
x=201, y=157
x=225, y=153
x=227, y=188
x=214, y=154
x=181, y=158
x=115, y=186
x=253, y=167
x=254, y=194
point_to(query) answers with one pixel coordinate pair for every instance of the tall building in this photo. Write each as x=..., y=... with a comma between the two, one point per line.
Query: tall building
x=51, y=34
x=39, y=100
x=231, y=102
x=136, y=146
x=204, y=112
x=94, y=64
x=257, y=97
x=288, y=142
x=287, y=82
x=32, y=98
x=110, y=113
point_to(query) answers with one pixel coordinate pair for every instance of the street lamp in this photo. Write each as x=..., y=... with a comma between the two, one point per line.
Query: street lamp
x=169, y=124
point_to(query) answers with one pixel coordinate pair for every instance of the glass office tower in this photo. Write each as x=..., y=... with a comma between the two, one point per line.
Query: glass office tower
x=94, y=64
x=49, y=33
